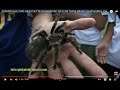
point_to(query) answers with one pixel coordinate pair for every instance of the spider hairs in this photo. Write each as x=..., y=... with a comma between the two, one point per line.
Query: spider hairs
x=41, y=43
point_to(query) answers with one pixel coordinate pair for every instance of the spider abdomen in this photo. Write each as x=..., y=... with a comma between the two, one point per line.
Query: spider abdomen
x=36, y=46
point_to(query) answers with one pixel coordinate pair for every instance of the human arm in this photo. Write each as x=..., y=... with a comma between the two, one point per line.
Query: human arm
x=66, y=50
x=103, y=48
x=99, y=18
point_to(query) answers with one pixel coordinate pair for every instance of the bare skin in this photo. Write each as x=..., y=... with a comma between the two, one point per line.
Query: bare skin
x=69, y=69
x=99, y=18
x=103, y=48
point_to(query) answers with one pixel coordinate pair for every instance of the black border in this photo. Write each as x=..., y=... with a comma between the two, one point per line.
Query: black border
x=59, y=4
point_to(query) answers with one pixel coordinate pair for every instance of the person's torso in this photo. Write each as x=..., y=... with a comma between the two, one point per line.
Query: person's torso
x=14, y=34
x=114, y=49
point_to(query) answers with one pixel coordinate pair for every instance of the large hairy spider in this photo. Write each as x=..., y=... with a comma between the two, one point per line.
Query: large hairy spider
x=39, y=46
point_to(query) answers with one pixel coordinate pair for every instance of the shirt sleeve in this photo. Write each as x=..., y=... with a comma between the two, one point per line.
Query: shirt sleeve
x=104, y=13
x=111, y=17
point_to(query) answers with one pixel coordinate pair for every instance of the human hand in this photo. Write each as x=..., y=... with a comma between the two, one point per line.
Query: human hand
x=68, y=54
x=102, y=53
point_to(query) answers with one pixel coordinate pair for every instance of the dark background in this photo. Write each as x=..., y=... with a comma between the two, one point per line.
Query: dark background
x=59, y=4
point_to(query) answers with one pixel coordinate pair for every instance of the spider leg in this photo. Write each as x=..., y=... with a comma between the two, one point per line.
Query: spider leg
x=74, y=42
x=41, y=33
x=56, y=56
x=53, y=27
x=59, y=27
x=41, y=57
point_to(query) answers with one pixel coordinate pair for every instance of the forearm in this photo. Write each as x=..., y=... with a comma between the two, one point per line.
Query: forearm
x=100, y=19
x=79, y=25
x=108, y=35
x=87, y=64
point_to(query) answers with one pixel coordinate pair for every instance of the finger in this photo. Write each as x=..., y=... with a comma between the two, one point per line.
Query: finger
x=49, y=61
x=96, y=51
x=69, y=68
x=80, y=24
x=98, y=60
x=86, y=62
x=54, y=73
x=34, y=74
x=49, y=58
x=105, y=59
x=101, y=59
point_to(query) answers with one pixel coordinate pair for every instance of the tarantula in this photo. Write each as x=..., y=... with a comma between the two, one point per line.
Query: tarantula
x=39, y=47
